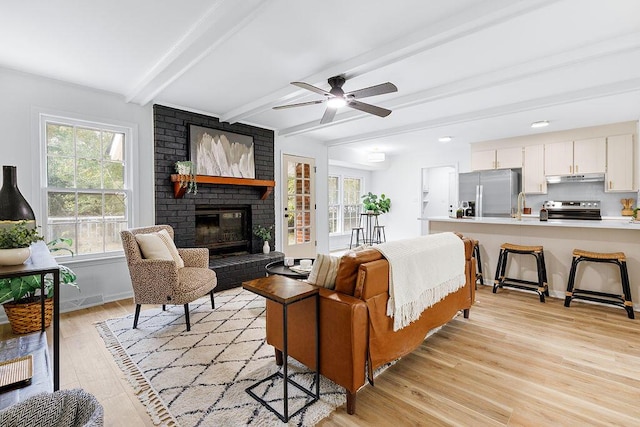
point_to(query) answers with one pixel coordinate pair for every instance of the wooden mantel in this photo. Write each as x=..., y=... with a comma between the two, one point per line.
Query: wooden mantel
x=267, y=186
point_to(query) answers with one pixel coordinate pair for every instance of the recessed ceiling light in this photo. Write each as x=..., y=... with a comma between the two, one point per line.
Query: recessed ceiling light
x=336, y=102
x=445, y=138
x=540, y=124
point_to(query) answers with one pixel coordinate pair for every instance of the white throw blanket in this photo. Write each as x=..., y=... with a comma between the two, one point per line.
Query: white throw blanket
x=422, y=271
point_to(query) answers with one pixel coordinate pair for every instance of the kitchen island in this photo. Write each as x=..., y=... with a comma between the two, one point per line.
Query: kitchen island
x=559, y=238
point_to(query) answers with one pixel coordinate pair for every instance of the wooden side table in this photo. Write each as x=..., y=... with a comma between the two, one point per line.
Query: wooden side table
x=286, y=291
x=42, y=263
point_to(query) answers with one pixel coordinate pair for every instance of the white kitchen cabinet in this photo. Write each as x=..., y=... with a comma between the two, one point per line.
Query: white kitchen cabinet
x=619, y=163
x=558, y=158
x=533, y=178
x=502, y=158
x=575, y=157
x=590, y=156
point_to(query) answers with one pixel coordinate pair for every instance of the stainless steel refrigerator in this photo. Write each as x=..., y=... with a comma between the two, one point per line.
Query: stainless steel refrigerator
x=495, y=193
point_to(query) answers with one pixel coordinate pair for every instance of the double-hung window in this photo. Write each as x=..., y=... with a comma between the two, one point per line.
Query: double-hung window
x=345, y=203
x=86, y=189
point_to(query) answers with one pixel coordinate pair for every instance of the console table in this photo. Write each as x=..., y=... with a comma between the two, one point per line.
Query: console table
x=42, y=263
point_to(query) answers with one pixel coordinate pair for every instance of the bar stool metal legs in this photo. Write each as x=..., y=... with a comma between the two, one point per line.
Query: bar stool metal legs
x=540, y=287
x=359, y=231
x=617, y=258
x=476, y=254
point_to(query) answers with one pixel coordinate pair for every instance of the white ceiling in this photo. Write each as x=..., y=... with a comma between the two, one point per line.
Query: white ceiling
x=473, y=69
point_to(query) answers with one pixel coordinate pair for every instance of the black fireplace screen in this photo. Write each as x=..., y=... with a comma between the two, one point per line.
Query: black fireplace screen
x=225, y=231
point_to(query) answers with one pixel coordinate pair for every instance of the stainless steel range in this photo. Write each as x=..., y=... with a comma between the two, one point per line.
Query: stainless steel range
x=574, y=209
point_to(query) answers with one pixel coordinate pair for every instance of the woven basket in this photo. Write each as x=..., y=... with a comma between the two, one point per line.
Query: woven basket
x=25, y=318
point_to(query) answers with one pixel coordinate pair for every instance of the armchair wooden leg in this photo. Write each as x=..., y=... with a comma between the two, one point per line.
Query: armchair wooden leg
x=465, y=313
x=164, y=307
x=135, y=318
x=351, y=403
x=279, y=358
x=186, y=316
x=213, y=304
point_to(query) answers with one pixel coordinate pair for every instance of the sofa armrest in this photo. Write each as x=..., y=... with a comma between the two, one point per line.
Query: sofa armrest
x=343, y=335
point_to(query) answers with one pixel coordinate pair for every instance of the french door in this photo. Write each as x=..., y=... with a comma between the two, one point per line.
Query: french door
x=299, y=206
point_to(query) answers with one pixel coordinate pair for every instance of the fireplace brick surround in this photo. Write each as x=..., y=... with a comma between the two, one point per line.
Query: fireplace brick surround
x=170, y=145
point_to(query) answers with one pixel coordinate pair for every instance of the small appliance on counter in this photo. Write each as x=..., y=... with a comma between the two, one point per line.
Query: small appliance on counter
x=573, y=209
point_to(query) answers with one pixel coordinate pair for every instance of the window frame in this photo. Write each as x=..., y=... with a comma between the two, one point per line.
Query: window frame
x=130, y=181
x=341, y=205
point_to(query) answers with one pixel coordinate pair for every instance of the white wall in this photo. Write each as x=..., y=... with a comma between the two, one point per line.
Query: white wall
x=304, y=147
x=402, y=182
x=21, y=95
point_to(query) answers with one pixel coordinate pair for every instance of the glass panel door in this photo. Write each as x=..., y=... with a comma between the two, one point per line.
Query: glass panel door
x=299, y=238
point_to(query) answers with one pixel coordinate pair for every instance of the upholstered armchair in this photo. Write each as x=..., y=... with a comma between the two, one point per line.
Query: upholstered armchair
x=163, y=274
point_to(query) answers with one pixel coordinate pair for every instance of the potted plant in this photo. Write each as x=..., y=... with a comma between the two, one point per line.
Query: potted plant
x=265, y=234
x=376, y=205
x=20, y=296
x=187, y=179
x=15, y=241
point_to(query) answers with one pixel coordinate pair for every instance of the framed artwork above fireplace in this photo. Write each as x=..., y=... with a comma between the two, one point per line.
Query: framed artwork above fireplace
x=215, y=152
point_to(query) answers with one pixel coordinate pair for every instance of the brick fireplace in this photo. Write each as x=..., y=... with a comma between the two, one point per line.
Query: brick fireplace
x=219, y=208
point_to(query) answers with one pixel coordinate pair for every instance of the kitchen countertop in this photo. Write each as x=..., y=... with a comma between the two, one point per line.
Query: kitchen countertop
x=530, y=220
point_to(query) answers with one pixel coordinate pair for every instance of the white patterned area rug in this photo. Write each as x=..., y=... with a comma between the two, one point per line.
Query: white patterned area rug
x=198, y=378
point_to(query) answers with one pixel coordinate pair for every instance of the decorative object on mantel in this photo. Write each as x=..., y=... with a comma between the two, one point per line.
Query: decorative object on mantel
x=267, y=185
x=215, y=152
x=20, y=295
x=13, y=206
x=265, y=234
x=186, y=176
x=627, y=209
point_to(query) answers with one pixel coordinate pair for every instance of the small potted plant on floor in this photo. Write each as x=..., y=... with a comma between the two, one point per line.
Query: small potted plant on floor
x=265, y=234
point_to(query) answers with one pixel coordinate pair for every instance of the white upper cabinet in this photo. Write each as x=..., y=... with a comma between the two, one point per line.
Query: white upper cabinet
x=619, y=163
x=502, y=158
x=576, y=157
x=590, y=156
x=533, y=179
x=558, y=158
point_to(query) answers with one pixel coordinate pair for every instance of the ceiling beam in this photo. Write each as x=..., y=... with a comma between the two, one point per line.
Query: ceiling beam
x=617, y=88
x=217, y=24
x=460, y=25
x=591, y=52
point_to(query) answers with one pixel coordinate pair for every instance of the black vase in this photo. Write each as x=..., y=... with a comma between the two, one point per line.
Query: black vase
x=13, y=205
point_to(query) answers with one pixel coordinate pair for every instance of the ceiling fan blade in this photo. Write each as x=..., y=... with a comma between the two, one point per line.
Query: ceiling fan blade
x=312, y=88
x=368, y=108
x=373, y=90
x=328, y=116
x=300, y=104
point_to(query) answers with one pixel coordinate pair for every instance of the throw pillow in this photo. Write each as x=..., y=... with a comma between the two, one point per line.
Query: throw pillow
x=159, y=246
x=324, y=271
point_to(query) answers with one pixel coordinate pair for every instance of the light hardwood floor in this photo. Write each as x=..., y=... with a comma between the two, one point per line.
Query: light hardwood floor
x=514, y=362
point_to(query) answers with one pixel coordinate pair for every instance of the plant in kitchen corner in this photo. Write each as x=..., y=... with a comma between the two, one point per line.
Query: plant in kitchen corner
x=187, y=176
x=265, y=234
x=376, y=205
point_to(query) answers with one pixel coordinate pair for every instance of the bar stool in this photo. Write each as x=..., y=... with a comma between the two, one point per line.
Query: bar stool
x=617, y=258
x=500, y=281
x=378, y=234
x=476, y=255
x=359, y=231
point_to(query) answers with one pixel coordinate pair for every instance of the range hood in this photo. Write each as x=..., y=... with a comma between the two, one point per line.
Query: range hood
x=587, y=177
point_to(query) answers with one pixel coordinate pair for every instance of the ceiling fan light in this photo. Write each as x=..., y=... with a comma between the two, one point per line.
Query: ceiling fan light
x=336, y=102
x=375, y=157
x=445, y=138
x=540, y=124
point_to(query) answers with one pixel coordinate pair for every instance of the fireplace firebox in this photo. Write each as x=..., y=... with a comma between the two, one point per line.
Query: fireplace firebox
x=225, y=231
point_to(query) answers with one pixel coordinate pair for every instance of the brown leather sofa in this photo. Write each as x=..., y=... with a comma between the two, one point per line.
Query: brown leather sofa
x=354, y=327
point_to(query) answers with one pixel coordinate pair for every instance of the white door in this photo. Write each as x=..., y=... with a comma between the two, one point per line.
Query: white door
x=299, y=207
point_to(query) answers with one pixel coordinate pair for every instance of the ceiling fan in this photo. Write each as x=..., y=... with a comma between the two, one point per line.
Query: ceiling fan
x=336, y=98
